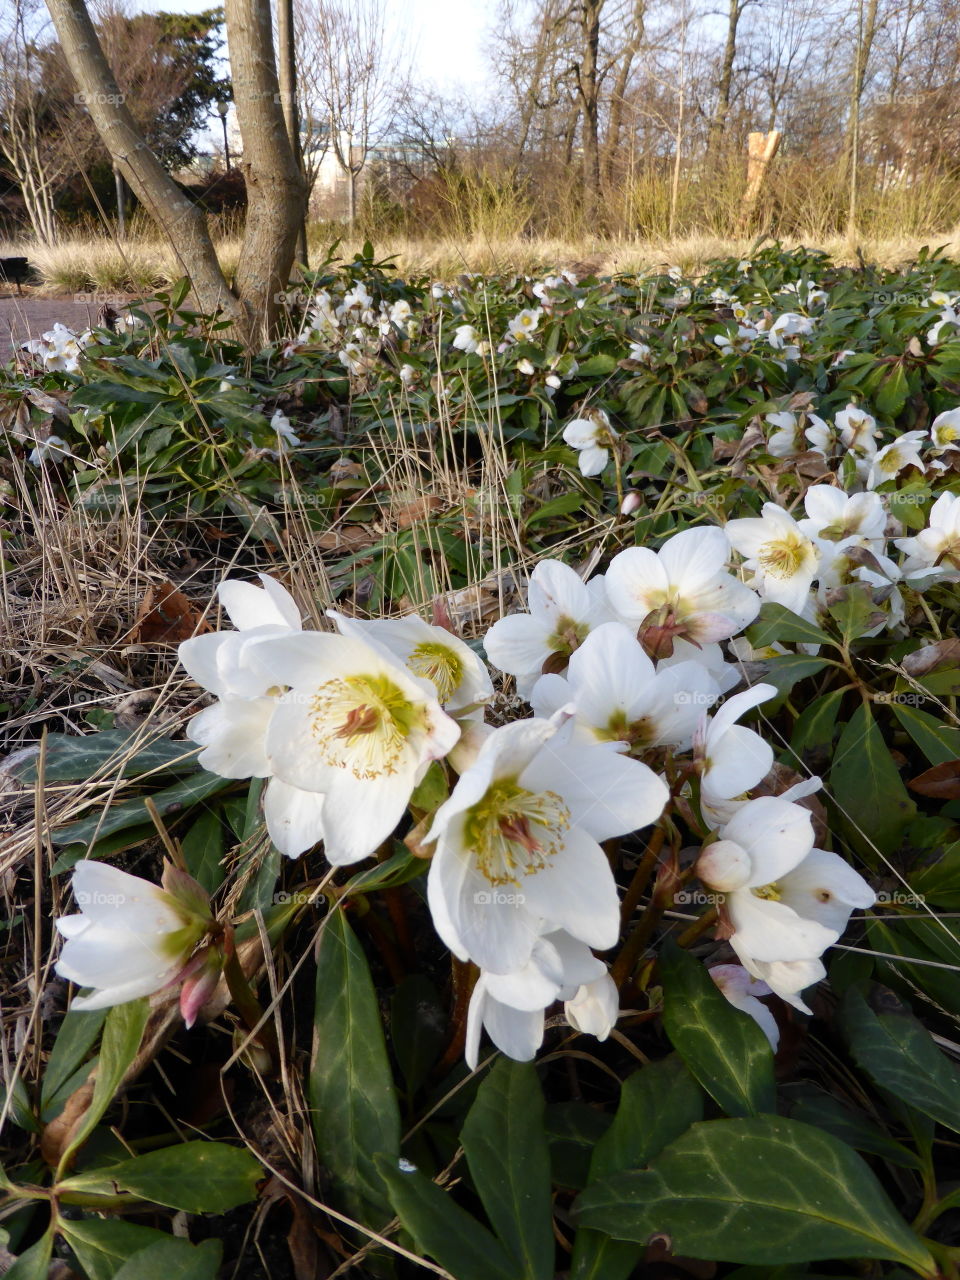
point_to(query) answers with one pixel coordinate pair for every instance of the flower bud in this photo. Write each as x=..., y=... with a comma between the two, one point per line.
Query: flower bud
x=724, y=866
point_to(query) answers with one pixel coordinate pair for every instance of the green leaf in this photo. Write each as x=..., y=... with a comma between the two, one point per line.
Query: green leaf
x=441, y=1229
x=657, y=1104
x=783, y=672
x=817, y=724
x=399, y=868
x=122, y=1033
x=172, y=1258
x=505, y=1142
x=171, y=800
x=203, y=849
x=75, y=1039
x=35, y=1263
x=855, y=613
x=724, y=1048
x=775, y=624
x=103, y=1245
x=761, y=1190
x=417, y=1028
x=868, y=789
x=199, y=1177
x=76, y=759
x=817, y=1107
x=351, y=1093
x=901, y=1057
x=937, y=741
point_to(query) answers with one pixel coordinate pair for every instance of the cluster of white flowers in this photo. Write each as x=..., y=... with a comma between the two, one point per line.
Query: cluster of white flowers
x=621, y=672
x=60, y=348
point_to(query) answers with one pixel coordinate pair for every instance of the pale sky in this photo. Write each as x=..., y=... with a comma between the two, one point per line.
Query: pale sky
x=448, y=36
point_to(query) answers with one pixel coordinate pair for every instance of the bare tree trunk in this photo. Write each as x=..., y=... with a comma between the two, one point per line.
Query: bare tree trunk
x=276, y=191
x=627, y=55
x=287, y=60
x=180, y=220
x=866, y=30
x=718, y=121
x=588, y=90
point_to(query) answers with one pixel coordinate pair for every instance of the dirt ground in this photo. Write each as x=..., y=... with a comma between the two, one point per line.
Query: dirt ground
x=28, y=316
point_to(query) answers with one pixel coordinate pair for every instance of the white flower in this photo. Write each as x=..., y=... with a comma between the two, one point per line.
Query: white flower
x=857, y=430
x=233, y=731
x=726, y=675
x=744, y=266
x=681, y=591
x=352, y=358
x=431, y=653
x=400, y=313
x=53, y=447
x=60, y=348
x=821, y=437
x=281, y=425
x=518, y=850
x=781, y=557
x=743, y=991
x=740, y=343
x=949, y=319
x=841, y=356
x=680, y=299
x=408, y=374
x=466, y=338
x=788, y=438
x=131, y=937
x=357, y=299
x=511, y=1006
x=524, y=366
x=592, y=437
x=893, y=458
x=945, y=431
x=833, y=515
x=639, y=351
x=733, y=759
x=619, y=696
x=524, y=323
x=563, y=611
x=594, y=1010
x=936, y=548
x=784, y=900
x=354, y=727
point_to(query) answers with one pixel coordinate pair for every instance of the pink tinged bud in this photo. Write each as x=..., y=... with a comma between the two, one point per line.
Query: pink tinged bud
x=724, y=866
x=632, y=501
x=185, y=891
x=200, y=977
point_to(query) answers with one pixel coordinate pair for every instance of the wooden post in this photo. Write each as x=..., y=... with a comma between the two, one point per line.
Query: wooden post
x=762, y=148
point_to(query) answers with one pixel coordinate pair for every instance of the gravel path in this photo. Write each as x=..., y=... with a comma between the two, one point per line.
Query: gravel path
x=28, y=317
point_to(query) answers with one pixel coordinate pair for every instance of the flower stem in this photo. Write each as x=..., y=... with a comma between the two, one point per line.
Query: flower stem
x=258, y=1023
x=641, y=877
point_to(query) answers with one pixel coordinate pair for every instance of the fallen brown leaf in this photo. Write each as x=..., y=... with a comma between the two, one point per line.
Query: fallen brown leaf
x=166, y=616
x=942, y=782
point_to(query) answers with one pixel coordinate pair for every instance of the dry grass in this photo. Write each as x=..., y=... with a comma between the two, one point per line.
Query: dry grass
x=95, y=263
